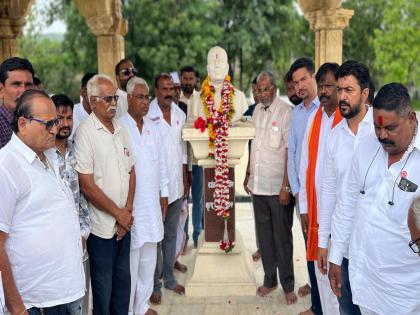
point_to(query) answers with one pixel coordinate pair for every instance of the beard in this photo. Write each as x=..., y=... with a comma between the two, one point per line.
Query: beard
x=61, y=136
x=295, y=100
x=187, y=88
x=352, y=111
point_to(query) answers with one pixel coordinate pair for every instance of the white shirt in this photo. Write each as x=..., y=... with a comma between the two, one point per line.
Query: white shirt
x=384, y=272
x=326, y=124
x=175, y=148
x=79, y=115
x=341, y=144
x=151, y=181
x=268, y=149
x=38, y=213
x=109, y=158
x=122, y=104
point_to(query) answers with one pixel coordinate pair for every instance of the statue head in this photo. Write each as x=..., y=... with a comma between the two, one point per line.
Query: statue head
x=217, y=64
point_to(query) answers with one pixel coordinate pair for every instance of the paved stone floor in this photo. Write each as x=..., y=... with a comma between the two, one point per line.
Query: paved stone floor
x=273, y=304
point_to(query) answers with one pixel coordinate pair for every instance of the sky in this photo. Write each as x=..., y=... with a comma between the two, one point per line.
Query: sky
x=57, y=27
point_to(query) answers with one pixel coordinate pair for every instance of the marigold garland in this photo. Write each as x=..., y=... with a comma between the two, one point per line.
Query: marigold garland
x=218, y=120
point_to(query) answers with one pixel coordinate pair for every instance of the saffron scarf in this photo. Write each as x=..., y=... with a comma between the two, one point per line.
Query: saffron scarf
x=313, y=146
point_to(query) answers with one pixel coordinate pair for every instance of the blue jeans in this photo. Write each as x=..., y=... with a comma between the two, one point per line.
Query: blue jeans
x=72, y=308
x=110, y=274
x=166, y=250
x=197, y=202
x=346, y=300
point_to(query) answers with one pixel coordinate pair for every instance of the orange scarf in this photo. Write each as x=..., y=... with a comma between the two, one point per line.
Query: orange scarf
x=313, y=144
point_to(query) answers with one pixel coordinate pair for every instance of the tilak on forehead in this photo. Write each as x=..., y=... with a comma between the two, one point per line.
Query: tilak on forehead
x=380, y=120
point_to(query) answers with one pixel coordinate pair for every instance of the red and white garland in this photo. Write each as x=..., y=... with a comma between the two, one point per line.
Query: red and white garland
x=218, y=127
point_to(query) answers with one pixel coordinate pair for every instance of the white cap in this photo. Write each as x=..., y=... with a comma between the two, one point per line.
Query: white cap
x=175, y=77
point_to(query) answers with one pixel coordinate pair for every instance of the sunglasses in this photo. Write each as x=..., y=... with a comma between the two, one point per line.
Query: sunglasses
x=108, y=99
x=48, y=123
x=127, y=71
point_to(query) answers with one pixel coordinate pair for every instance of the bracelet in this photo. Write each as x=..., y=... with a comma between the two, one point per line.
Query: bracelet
x=286, y=189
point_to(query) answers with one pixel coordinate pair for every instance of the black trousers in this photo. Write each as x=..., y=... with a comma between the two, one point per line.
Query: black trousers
x=274, y=232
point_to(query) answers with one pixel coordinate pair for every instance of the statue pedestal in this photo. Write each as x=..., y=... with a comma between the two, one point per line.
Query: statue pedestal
x=216, y=273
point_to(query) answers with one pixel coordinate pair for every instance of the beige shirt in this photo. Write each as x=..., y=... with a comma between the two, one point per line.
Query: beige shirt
x=268, y=149
x=109, y=158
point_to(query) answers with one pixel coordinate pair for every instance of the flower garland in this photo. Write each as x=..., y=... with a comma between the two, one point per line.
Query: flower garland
x=218, y=120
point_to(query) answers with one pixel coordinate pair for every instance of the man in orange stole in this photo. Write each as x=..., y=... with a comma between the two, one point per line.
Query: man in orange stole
x=311, y=172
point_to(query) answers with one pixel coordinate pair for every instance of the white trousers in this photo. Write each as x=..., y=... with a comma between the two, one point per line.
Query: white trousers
x=366, y=311
x=142, y=269
x=329, y=301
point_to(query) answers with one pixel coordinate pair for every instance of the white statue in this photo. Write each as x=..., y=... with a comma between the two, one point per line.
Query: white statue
x=217, y=71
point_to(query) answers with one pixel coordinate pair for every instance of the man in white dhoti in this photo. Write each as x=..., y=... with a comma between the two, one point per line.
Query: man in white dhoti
x=372, y=210
x=151, y=196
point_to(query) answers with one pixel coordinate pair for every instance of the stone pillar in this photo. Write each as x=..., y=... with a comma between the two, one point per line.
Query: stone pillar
x=12, y=19
x=105, y=20
x=327, y=19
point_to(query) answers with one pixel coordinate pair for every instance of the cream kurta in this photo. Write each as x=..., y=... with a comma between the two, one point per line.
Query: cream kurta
x=109, y=158
x=151, y=181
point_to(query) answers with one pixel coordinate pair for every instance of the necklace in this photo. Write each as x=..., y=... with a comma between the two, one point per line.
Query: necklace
x=411, y=146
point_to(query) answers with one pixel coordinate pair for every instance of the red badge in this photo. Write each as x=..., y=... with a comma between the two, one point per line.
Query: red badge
x=404, y=174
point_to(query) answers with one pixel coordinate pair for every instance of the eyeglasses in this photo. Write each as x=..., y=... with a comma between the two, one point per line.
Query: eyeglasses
x=48, y=123
x=108, y=99
x=127, y=71
x=141, y=97
x=266, y=90
x=326, y=86
x=414, y=246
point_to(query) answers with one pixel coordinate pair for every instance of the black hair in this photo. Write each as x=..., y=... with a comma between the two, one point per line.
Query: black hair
x=12, y=64
x=187, y=69
x=197, y=74
x=393, y=97
x=117, y=66
x=24, y=106
x=288, y=77
x=325, y=68
x=86, y=78
x=37, y=81
x=371, y=92
x=62, y=100
x=254, y=81
x=356, y=69
x=162, y=75
x=303, y=62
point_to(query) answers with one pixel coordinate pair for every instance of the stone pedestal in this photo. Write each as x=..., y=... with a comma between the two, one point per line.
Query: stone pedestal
x=105, y=20
x=328, y=20
x=12, y=19
x=215, y=272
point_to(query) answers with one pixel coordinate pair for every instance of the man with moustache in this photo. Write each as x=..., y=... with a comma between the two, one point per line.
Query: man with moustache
x=302, y=72
x=312, y=172
x=372, y=210
x=188, y=92
x=169, y=120
x=269, y=186
x=290, y=89
x=353, y=80
x=40, y=248
x=16, y=76
x=66, y=166
x=107, y=179
x=150, y=198
x=124, y=71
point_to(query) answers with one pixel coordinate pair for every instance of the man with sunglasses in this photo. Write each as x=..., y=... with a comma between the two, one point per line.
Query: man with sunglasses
x=16, y=76
x=382, y=183
x=105, y=164
x=124, y=71
x=40, y=247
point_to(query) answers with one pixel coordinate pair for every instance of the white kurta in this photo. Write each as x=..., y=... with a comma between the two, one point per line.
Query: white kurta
x=151, y=181
x=384, y=272
x=175, y=148
x=122, y=104
x=79, y=115
x=341, y=145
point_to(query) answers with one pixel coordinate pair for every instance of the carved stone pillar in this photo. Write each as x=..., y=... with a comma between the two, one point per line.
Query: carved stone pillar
x=105, y=20
x=327, y=19
x=12, y=19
